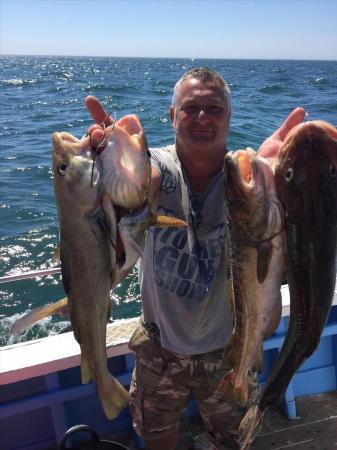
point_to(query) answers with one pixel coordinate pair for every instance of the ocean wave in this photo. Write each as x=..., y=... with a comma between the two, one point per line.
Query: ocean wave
x=279, y=70
x=273, y=89
x=318, y=81
x=44, y=328
x=17, y=82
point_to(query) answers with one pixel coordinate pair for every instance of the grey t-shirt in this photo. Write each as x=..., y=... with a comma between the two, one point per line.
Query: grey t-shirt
x=183, y=275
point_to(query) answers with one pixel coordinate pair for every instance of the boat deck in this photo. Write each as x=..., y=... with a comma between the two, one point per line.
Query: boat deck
x=315, y=428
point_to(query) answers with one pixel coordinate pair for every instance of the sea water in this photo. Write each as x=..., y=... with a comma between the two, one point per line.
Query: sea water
x=43, y=94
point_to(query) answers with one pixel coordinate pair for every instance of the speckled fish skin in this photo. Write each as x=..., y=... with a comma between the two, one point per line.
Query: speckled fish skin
x=86, y=261
x=306, y=182
x=257, y=262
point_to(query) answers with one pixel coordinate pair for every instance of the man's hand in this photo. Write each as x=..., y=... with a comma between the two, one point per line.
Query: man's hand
x=271, y=146
x=101, y=118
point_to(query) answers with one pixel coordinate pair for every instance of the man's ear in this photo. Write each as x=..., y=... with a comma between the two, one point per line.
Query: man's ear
x=171, y=110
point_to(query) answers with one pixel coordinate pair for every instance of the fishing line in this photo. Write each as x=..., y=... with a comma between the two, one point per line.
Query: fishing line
x=100, y=147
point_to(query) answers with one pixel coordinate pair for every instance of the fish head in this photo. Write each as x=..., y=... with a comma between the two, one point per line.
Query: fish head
x=249, y=184
x=125, y=164
x=76, y=177
x=305, y=176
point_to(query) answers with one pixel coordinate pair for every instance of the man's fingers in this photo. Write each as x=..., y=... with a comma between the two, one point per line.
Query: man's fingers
x=101, y=118
x=97, y=111
x=294, y=118
x=96, y=133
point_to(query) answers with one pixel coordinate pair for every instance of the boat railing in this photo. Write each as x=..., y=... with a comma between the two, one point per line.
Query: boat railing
x=30, y=274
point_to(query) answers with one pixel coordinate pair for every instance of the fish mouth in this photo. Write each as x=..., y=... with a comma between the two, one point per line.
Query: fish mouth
x=251, y=195
x=125, y=164
x=239, y=167
x=244, y=164
x=245, y=171
x=66, y=139
x=64, y=142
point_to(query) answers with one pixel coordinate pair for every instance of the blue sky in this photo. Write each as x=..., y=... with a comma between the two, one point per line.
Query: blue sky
x=271, y=29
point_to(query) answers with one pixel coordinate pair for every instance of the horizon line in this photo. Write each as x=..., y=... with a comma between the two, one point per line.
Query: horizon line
x=169, y=57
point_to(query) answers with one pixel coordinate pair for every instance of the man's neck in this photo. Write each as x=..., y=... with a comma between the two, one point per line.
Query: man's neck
x=201, y=167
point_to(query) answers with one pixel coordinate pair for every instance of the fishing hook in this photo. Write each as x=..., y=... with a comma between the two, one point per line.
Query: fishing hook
x=97, y=150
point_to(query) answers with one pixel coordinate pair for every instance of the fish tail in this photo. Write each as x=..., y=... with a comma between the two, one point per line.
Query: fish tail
x=235, y=388
x=113, y=396
x=249, y=427
x=37, y=314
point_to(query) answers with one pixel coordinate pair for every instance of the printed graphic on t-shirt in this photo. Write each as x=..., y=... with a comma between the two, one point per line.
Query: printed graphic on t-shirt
x=168, y=183
x=184, y=265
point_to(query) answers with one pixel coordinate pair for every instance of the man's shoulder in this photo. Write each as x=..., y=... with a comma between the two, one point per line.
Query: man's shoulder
x=165, y=157
x=163, y=151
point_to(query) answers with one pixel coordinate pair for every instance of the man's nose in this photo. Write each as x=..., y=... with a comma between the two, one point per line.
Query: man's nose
x=202, y=115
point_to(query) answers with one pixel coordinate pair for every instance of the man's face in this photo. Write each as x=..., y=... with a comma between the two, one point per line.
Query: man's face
x=201, y=114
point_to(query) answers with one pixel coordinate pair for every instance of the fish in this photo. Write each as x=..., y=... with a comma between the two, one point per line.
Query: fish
x=306, y=183
x=125, y=164
x=255, y=222
x=94, y=230
x=29, y=319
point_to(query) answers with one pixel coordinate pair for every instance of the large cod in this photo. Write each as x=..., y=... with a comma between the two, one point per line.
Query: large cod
x=98, y=243
x=255, y=220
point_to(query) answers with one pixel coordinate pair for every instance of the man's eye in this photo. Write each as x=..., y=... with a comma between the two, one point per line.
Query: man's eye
x=214, y=110
x=191, y=109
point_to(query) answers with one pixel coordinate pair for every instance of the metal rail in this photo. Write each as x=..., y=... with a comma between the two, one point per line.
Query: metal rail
x=31, y=274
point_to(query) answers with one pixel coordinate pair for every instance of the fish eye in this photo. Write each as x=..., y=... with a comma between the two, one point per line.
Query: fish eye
x=332, y=171
x=62, y=168
x=289, y=174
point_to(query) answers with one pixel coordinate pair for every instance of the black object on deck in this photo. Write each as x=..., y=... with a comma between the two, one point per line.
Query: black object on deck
x=94, y=442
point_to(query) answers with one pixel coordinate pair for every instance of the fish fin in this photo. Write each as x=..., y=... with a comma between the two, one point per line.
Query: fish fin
x=27, y=320
x=234, y=388
x=113, y=396
x=108, y=224
x=164, y=221
x=108, y=221
x=250, y=426
x=86, y=372
x=264, y=254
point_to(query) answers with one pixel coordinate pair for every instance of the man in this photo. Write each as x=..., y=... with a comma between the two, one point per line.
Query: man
x=186, y=320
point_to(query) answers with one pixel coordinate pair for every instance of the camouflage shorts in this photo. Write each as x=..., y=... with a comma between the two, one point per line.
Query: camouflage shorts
x=163, y=382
